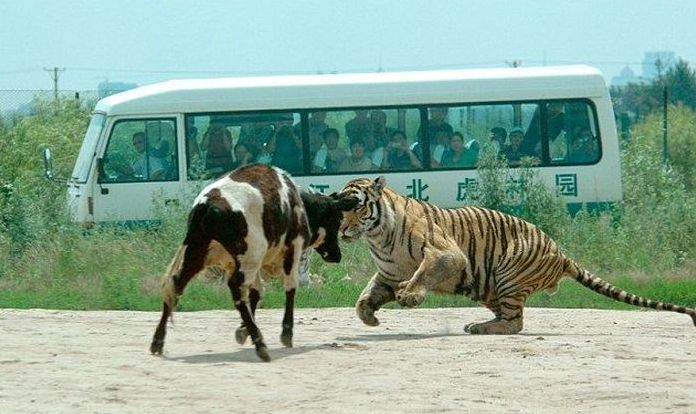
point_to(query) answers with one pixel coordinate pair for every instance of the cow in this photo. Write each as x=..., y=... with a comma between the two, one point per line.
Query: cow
x=253, y=223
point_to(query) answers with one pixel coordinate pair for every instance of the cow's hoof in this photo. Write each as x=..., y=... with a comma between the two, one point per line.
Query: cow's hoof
x=262, y=353
x=241, y=335
x=286, y=339
x=156, y=347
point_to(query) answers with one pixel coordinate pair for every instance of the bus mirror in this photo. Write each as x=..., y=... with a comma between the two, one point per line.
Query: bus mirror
x=48, y=163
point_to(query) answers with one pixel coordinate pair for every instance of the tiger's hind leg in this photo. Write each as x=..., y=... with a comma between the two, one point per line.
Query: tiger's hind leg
x=375, y=294
x=508, y=317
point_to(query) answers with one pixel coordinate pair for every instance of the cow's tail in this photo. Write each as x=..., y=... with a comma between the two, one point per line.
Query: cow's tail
x=169, y=295
x=195, y=240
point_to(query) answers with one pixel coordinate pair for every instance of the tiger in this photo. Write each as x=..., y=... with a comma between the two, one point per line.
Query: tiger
x=491, y=257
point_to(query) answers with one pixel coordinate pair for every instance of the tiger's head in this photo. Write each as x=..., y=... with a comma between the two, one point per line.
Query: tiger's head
x=366, y=215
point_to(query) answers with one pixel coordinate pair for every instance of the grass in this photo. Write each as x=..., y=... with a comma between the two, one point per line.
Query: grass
x=80, y=276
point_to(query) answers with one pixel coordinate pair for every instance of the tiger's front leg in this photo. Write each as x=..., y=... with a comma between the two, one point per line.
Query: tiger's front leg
x=441, y=269
x=375, y=294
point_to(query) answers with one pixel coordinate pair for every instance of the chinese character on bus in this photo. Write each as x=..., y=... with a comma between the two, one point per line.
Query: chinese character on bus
x=416, y=190
x=567, y=184
x=467, y=190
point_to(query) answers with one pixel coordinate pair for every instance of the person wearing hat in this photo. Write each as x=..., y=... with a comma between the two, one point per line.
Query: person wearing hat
x=498, y=136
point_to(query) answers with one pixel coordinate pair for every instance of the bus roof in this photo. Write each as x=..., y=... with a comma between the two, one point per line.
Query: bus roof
x=358, y=90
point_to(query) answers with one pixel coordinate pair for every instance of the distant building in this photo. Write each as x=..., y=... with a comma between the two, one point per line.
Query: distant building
x=107, y=88
x=625, y=77
x=657, y=63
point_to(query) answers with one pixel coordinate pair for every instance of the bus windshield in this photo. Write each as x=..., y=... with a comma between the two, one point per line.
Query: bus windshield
x=89, y=145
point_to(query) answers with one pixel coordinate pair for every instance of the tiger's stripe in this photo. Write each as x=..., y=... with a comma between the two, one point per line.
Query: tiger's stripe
x=487, y=255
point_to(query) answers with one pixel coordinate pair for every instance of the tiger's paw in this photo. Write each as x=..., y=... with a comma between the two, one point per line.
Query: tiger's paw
x=468, y=326
x=409, y=299
x=366, y=314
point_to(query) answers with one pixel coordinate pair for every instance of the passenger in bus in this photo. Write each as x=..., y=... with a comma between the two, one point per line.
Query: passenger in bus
x=374, y=149
x=378, y=137
x=160, y=139
x=398, y=154
x=217, y=143
x=439, y=145
x=193, y=151
x=358, y=159
x=256, y=135
x=317, y=125
x=437, y=122
x=330, y=155
x=359, y=126
x=584, y=147
x=460, y=155
x=287, y=150
x=455, y=155
x=159, y=136
x=555, y=127
x=242, y=155
x=473, y=149
x=379, y=130
x=513, y=152
x=498, y=137
x=144, y=166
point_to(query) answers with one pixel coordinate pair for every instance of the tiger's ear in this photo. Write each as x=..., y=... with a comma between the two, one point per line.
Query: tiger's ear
x=379, y=183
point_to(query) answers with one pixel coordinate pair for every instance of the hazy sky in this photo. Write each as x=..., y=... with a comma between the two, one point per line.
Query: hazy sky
x=148, y=41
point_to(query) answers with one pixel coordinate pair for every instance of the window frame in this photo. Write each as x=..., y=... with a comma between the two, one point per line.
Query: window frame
x=145, y=120
x=423, y=109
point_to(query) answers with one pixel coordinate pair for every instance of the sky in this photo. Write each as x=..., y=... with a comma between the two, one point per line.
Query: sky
x=146, y=41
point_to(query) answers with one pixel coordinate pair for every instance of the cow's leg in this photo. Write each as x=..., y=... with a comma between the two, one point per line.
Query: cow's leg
x=288, y=318
x=241, y=334
x=157, y=344
x=291, y=270
x=235, y=284
x=187, y=262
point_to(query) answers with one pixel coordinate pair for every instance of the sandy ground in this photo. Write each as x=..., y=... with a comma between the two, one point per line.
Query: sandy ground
x=416, y=361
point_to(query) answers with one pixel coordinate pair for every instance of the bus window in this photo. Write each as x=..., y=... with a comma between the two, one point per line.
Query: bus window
x=358, y=140
x=578, y=142
x=458, y=133
x=218, y=143
x=141, y=150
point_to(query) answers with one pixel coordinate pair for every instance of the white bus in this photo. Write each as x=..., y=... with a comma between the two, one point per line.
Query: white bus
x=423, y=130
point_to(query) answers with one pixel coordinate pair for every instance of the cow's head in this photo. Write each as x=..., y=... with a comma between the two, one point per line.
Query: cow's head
x=324, y=214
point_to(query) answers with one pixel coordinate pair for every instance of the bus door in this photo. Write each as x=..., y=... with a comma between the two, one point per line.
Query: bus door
x=138, y=171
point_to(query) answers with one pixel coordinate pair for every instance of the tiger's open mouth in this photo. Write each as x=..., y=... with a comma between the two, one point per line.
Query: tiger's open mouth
x=349, y=237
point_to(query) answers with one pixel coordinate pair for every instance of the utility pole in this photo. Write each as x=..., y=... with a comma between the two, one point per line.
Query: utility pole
x=665, y=98
x=55, y=73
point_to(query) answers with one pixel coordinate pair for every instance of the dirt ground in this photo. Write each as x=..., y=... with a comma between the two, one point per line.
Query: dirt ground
x=416, y=361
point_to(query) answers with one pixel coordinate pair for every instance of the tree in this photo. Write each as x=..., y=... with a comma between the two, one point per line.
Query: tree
x=641, y=99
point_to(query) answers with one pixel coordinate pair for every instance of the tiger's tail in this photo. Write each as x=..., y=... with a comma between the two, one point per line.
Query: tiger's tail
x=607, y=289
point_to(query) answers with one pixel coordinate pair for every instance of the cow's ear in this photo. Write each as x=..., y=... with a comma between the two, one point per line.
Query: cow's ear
x=379, y=183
